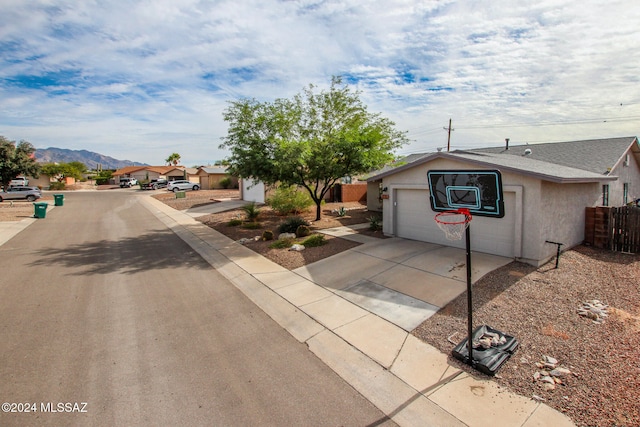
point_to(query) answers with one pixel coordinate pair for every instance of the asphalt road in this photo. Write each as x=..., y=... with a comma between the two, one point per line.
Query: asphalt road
x=106, y=313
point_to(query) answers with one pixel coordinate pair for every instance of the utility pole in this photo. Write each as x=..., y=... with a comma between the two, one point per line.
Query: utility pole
x=449, y=130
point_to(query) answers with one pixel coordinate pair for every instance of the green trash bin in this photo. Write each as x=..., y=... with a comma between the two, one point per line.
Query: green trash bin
x=40, y=210
x=59, y=199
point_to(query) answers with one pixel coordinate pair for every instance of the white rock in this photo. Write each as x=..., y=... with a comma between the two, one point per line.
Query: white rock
x=547, y=379
x=286, y=236
x=550, y=360
x=297, y=248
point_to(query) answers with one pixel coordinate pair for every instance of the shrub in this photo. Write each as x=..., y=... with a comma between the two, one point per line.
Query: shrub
x=303, y=231
x=291, y=224
x=281, y=244
x=375, y=223
x=57, y=186
x=287, y=199
x=342, y=211
x=234, y=222
x=225, y=182
x=267, y=235
x=314, y=240
x=251, y=225
x=252, y=211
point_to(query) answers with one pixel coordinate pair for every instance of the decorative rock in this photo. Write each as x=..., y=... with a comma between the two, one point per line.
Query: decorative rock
x=297, y=248
x=283, y=236
x=547, y=379
x=594, y=310
x=559, y=372
x=550, y=360
x=548, y=387
x=536, y=376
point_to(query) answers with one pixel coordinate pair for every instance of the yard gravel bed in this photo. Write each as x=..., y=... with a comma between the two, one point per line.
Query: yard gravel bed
x=540, y=308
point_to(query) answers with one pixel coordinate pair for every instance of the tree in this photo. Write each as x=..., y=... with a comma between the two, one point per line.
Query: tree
x=173, y=159
x=60, y=171
x=16, y=159
x=311, y=141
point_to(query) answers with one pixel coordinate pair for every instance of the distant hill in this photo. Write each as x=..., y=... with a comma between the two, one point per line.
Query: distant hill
x=89, y=158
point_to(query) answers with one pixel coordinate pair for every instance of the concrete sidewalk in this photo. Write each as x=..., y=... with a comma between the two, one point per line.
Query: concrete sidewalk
x=409, y=380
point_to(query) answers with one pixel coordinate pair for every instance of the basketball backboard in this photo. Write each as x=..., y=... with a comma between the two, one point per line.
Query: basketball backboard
x=479, y=191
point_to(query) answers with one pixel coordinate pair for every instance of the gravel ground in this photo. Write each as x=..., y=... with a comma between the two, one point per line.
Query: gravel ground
x=21, y=209
x=268, y=220
x=539, y=308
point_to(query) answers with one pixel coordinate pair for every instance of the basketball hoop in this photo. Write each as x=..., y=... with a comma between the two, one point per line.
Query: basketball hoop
x=453, y=223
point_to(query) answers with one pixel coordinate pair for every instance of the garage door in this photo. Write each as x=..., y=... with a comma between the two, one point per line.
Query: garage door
x=414, y=220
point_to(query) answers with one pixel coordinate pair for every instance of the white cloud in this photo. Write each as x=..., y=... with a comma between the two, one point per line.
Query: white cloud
x=135, y=79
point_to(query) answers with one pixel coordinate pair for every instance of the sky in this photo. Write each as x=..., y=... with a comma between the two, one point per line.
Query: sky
x=140, y=80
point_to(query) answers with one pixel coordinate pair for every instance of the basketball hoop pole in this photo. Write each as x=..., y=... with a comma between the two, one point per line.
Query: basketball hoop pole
x=469, y=299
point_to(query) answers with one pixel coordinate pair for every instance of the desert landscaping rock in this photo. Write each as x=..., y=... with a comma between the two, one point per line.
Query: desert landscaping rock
x=598, y=364
x=594, y=310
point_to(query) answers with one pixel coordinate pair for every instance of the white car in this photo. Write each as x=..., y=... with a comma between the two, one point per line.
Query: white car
x=182, y=185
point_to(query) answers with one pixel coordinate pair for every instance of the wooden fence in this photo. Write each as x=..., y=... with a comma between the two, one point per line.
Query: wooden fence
x=617, y=229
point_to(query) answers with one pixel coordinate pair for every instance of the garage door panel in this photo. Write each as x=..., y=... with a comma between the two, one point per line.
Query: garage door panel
x=414, y=220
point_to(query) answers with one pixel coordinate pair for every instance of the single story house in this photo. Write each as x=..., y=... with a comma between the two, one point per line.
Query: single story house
x=211, y=176
x=546, y=190
x=147, y=173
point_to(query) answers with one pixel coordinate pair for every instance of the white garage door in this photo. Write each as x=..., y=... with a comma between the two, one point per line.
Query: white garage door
x=414, y=219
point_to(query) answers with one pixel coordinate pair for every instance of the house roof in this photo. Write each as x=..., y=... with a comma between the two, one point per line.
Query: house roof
x=576, y=161
x=158, y=169
x=128, y=170
x=595, y=155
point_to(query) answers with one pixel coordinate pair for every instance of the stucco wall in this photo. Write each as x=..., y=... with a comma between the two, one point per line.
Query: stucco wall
x=374, y=203
x=252, y=191
x=563, y=219
x=629, y=174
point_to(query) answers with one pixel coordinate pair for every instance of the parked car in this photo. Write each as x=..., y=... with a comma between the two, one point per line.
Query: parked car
x=20, y=192
x=128, y=182
x=154, y=184
x=19, y=181
x=181, y=185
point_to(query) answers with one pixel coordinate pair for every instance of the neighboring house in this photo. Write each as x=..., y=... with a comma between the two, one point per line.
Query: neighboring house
x=137, y=172
x=546, y=190
x=210, y=177
x=147, y=173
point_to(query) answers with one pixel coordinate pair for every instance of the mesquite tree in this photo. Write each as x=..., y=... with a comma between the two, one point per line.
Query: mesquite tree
x=312, y=140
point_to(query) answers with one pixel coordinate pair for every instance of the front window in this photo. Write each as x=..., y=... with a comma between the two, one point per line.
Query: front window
x=605, y=195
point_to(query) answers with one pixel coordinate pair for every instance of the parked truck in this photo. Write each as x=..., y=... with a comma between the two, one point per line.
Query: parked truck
x=154, y=184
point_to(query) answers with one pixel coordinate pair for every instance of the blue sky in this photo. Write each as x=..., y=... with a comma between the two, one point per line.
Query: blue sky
x=139, y=80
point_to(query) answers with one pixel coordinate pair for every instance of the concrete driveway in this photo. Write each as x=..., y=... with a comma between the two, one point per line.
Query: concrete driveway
x=403, y=281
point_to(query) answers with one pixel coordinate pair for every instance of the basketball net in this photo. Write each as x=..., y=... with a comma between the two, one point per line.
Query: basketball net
x=453, y=223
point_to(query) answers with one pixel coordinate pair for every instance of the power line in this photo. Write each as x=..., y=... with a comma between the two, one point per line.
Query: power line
x=557, y=123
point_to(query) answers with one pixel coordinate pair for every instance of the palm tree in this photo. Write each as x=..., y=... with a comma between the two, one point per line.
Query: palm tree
x=173, y=159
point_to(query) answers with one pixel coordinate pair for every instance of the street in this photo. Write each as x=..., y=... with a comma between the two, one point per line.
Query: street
x=108, y=318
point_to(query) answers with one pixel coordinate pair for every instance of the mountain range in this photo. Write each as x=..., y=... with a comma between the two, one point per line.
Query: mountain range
x=90, y=159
